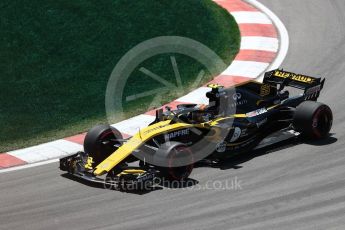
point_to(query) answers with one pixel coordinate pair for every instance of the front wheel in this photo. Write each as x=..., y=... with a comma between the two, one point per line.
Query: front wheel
x=313, y=120
x=101, y=141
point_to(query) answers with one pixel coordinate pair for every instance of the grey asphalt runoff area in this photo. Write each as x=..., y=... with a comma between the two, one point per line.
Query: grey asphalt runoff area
x=300, y=187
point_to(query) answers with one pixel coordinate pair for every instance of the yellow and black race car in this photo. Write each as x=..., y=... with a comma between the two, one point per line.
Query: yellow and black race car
x=235, y=121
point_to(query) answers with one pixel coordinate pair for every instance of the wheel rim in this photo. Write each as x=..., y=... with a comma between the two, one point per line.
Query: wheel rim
x=322, y=122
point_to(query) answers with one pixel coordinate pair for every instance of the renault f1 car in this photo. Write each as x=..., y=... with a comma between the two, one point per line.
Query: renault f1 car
x=235, y=121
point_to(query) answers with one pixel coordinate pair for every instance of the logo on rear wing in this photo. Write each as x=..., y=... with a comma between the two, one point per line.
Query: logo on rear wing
x=295, y=77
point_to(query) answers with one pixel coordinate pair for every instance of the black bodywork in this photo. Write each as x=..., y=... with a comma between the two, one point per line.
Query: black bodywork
x=260, y=109
x=235, y=121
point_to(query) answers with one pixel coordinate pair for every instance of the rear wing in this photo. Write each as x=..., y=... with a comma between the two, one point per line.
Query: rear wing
x=312, y=86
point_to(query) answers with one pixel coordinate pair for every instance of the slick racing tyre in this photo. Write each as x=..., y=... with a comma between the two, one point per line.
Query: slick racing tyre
x=313, y=120
x=100, y=142
x=174, y=161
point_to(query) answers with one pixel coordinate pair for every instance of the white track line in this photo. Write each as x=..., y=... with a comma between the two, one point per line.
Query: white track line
x=251, y=17
x=132, y=125
x=28, y=166
x=197, y=96
x=248, y=69
x=259, y=43
x=283, y=36
x=46, y=151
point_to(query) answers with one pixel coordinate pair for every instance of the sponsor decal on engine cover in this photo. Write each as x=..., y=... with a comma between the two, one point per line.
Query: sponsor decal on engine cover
x=238, y=100
x=265, y=90
x=237, y=96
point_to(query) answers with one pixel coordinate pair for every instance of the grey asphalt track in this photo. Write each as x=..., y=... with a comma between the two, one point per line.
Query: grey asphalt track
x=301, y=187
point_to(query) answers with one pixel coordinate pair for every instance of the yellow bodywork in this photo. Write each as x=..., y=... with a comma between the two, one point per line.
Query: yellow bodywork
x=131, y=172
x=89, y=163
x=135, y=142
x=146, y=134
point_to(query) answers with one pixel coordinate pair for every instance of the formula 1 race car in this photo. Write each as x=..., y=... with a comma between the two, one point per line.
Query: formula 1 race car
x=235, y=121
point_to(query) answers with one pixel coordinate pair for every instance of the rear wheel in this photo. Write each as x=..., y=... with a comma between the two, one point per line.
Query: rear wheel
x=313, y=120
x=101, y=141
